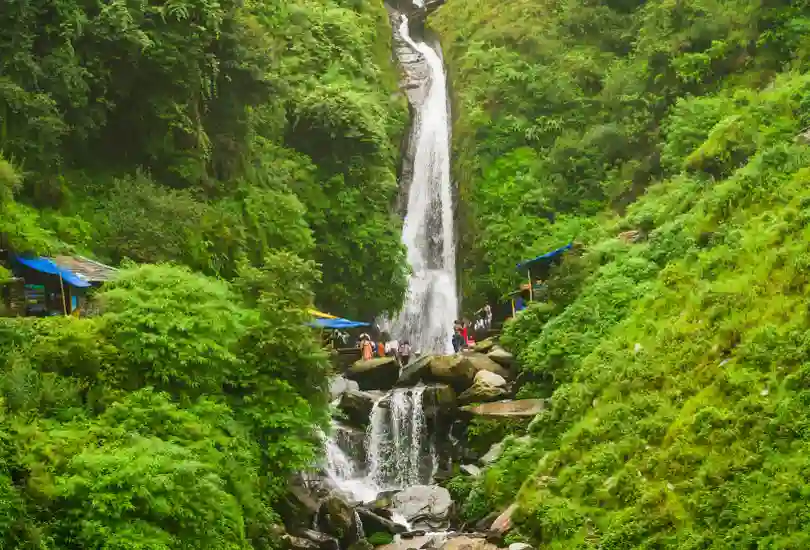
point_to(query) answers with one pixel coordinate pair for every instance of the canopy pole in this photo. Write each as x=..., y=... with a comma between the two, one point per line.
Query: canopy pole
x=531, y=295
x=62, y=290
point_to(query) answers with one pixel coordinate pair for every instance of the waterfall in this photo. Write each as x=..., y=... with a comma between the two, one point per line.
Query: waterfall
x=399, y=450
x=431, y=304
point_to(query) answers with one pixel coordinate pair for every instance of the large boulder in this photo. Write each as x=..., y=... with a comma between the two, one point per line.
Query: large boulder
x=453, y=370
x=424, y=506
x=490, y=378
x=381, y=373
x=375, y=523
x=357, y=405
x=503, y=523
x=507, y=409
x=471, y=470
x=289, y=542
x=478, y=361
x=299, y=505
x=438, y=400
x=415, y=371
x=502, y=357
x=337, y=518
x=321, y=540
x=339, y=385
x=482, y=392
x=493, y=454
x=484, y=345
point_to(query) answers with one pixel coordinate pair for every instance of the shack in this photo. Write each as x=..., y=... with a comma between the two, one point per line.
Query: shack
x=537, y=272
x=59, y=285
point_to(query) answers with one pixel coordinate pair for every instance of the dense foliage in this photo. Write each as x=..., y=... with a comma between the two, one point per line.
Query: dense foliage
x=238, y=159
x=676, y=357
x=207, y=133
x=172, y=420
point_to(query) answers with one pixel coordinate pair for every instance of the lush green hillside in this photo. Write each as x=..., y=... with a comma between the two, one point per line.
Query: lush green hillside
x=208, y=133
x=244, y=156
x=676, y=364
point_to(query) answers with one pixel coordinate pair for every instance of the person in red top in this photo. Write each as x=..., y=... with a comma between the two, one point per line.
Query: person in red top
x=465, y=332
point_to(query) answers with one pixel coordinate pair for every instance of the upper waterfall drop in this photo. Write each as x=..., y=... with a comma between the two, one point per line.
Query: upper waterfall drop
x=431, y=304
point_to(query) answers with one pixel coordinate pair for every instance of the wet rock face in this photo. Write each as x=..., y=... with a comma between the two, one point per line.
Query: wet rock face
x=357, y=405
x=375, y=374
x=424, y=506
x=320, y=540
x=501, y=356
x=337, y=518
x=375, y=523
x=415, y=371
x=339, y=385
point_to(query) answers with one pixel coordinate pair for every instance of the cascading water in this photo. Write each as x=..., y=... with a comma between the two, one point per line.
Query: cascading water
x=431, y=304
x=399, y=450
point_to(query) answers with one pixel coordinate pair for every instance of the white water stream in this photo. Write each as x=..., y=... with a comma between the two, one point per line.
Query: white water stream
x=431, y=304
x=398, y=450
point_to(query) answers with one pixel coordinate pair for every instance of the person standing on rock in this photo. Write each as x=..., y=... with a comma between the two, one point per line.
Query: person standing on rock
x=458, y=340
x=366, y=349
x=405, y=352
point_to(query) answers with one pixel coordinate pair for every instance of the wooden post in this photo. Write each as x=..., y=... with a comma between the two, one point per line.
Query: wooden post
x=62, y=290
x=531, y=295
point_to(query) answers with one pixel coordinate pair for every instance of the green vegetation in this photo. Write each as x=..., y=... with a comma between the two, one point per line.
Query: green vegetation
x=677, y=362
x=238, y=160
x=172, y=420
x=208, y=134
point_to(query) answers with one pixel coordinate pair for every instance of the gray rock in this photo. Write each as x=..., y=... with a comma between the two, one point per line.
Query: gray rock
x=339, y=385
x=381, y=373
x=415, y=371
x=424, y=506
x=299, y=505
x=438, y=400
x=493, y=454
x=504, y=521
x=290, y=542
x=482, y=392
x=471, y=470
x=374, y=523
x=452, y=370
x=484, y=346
x=323, y=541
x=357, y=405
x=490, y=378
x=508, y=408
x=337, y=518
x=479, y=361
x=502, y=357
x=520, y=546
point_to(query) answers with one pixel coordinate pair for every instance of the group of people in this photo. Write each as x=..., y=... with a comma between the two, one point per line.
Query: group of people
x=461, y=329
x=388, y=347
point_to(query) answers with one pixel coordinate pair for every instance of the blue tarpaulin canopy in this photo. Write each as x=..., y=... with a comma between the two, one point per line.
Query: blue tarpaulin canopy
x=44, y=265
x=548, y=256
x=336, y=323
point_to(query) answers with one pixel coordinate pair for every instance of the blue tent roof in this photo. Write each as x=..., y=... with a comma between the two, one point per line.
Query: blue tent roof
x=545, y=257
x=336, y=323
x=44, y=265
